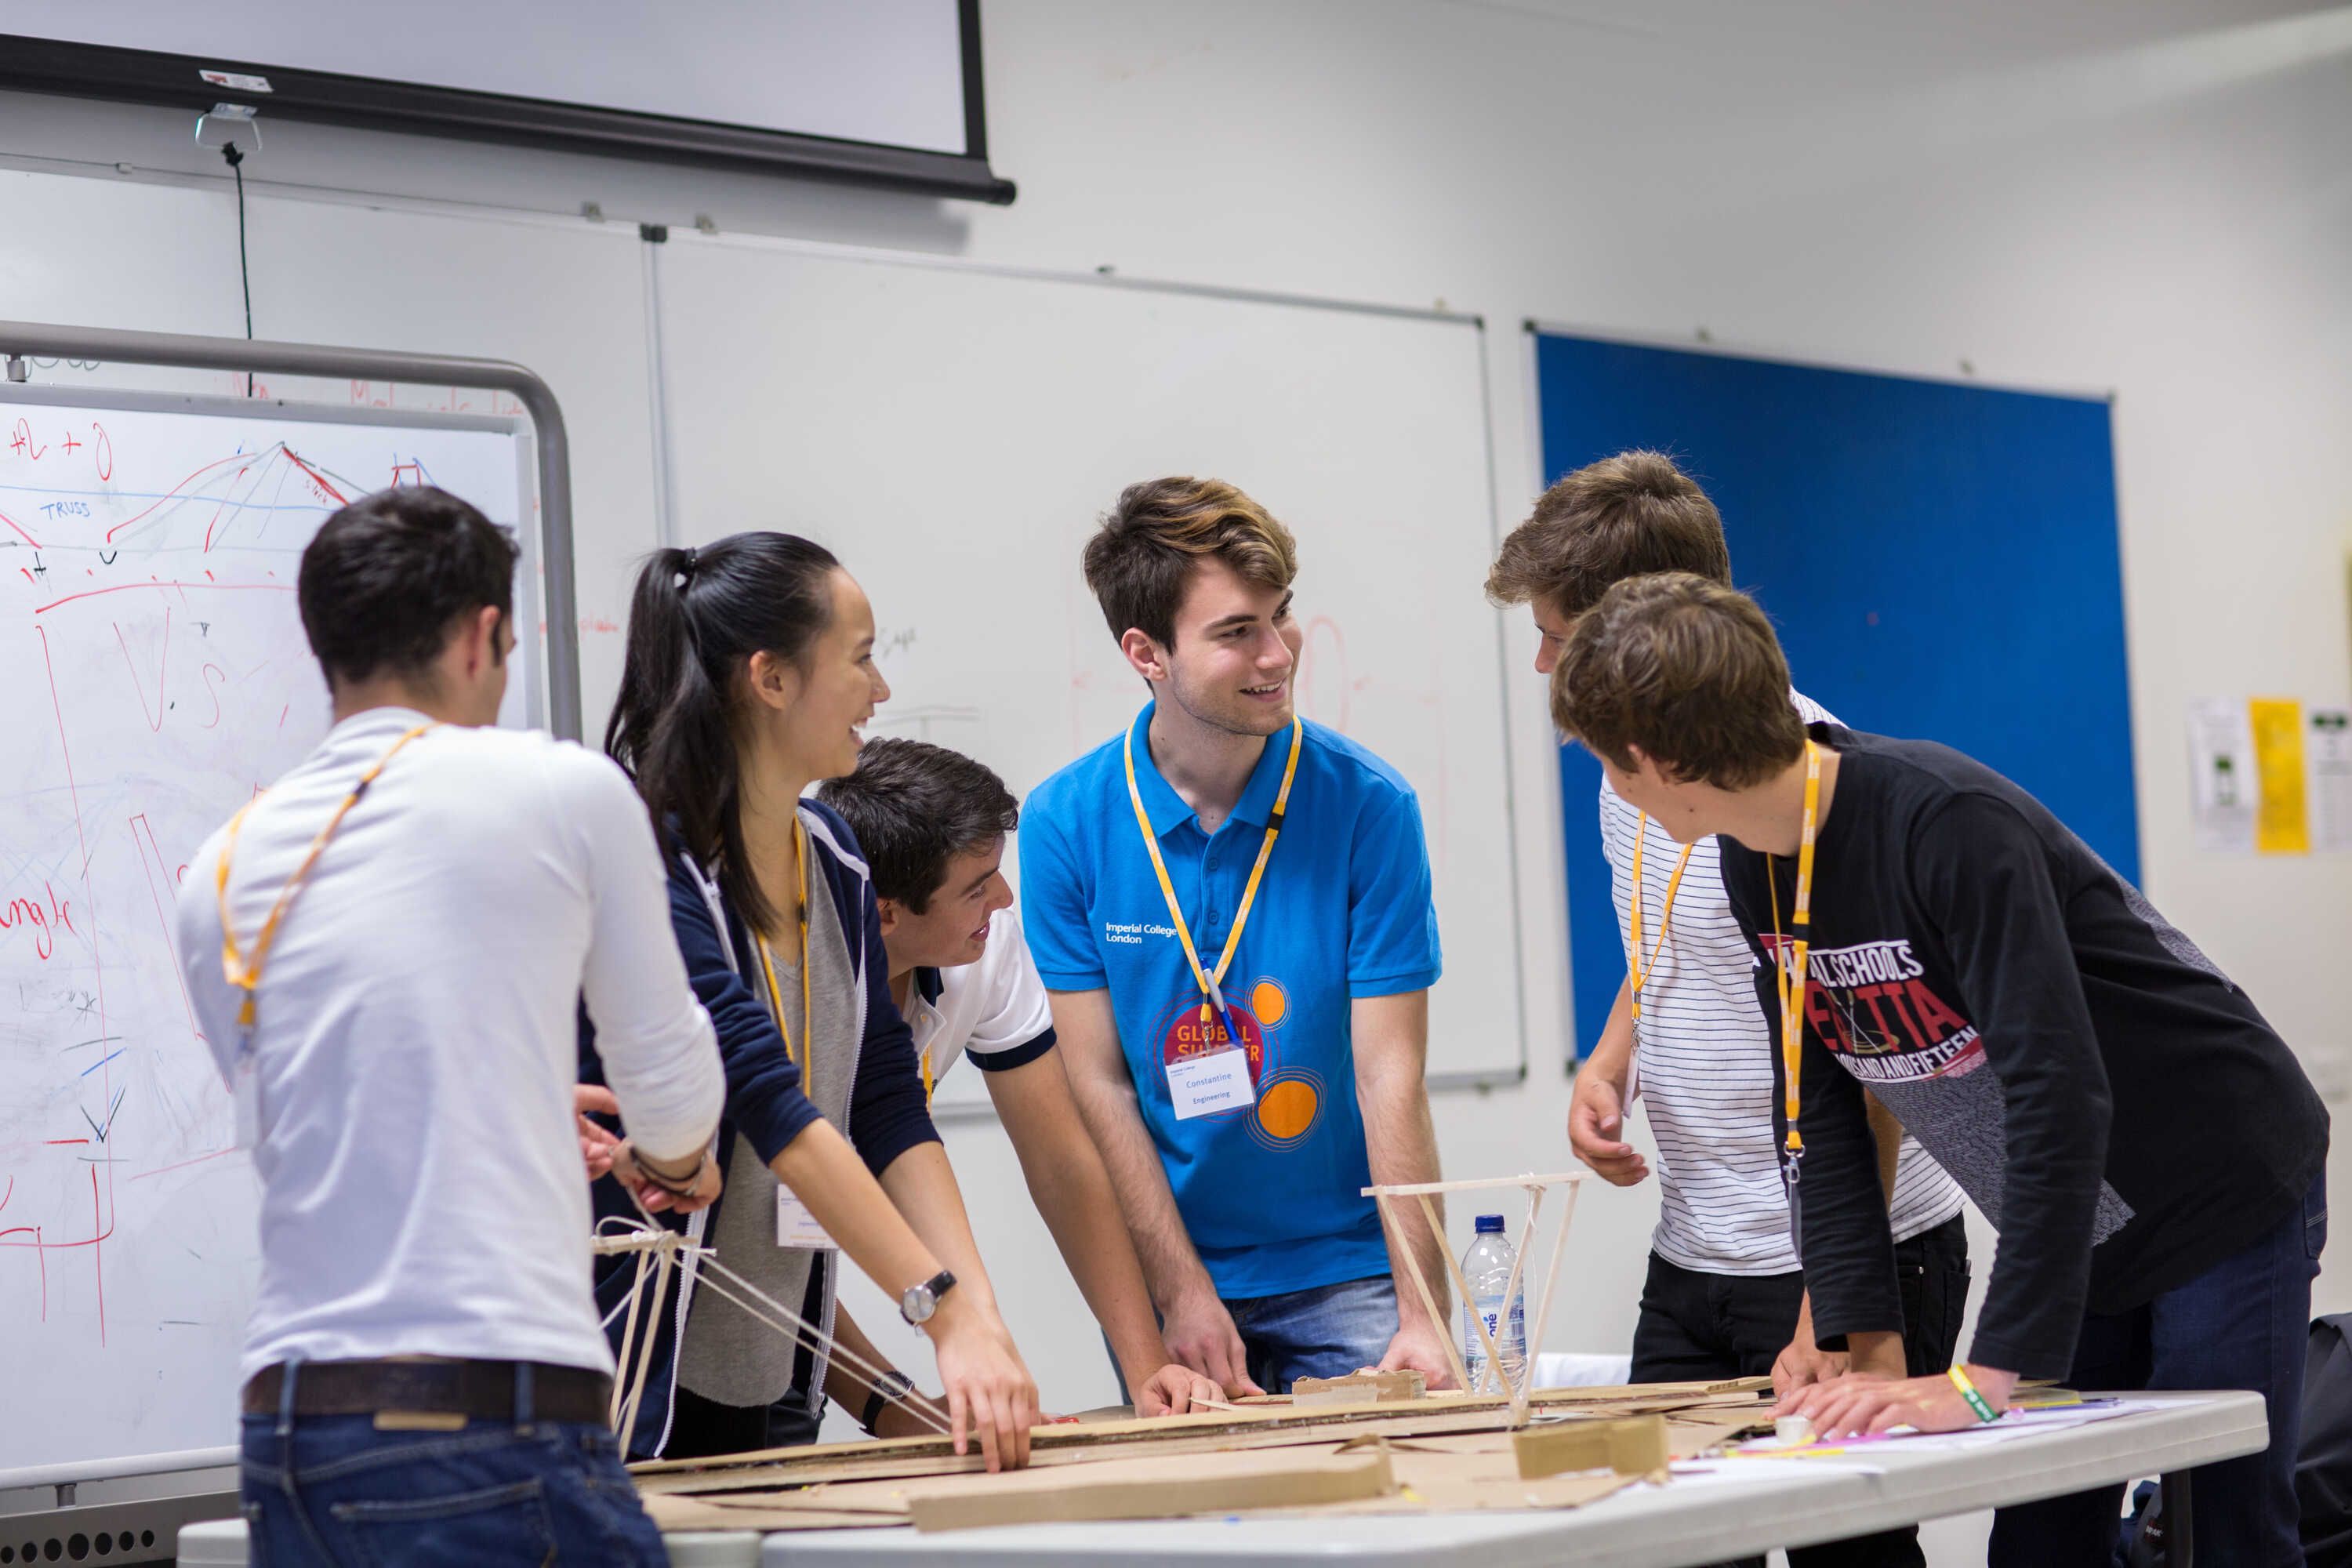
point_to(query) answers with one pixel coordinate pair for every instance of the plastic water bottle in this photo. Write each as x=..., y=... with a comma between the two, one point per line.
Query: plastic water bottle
x=1487, y=1266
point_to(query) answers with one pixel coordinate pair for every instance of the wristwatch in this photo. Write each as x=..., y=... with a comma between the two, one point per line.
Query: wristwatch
x=921, y=1300
x=892, y=1384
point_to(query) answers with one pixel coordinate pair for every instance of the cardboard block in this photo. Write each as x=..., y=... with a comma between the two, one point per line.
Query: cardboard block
x=1635, y=1445
x=1211, y=1483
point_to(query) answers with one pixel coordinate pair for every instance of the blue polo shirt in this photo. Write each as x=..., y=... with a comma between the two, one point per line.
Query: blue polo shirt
x=1270, y=1192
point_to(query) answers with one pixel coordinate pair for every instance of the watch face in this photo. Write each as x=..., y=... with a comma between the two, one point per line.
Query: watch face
x=918, y=1304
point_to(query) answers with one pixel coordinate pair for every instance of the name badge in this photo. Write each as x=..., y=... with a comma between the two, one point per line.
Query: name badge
x=1203, y=1086
x=797, y=1227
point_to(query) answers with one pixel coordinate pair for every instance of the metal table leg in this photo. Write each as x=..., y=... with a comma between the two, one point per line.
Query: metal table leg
x=2179, y=1521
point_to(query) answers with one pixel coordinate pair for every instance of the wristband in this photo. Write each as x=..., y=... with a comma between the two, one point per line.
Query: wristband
x=675, y=1186
x=892, y=1384
x=1976, y=1402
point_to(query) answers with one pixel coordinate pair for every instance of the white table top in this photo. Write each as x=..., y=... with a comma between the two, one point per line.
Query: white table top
x=1758, y=1505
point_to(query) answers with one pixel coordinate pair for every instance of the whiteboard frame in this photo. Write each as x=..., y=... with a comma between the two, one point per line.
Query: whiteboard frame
x=1532, y=327
x=215, y=406
x=1110, y=277
x=551, y=441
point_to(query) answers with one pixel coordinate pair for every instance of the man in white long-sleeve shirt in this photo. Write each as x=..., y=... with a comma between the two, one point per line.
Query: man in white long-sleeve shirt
x=414, y=914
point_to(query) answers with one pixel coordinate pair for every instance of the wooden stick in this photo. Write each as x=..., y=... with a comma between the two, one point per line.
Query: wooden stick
x=1518, y=1391
x=1415, y=1189
x=1551, y=1280
x=628, y=1342
x=1428, y=1304
x=626, y=1429
x=1477, y=1317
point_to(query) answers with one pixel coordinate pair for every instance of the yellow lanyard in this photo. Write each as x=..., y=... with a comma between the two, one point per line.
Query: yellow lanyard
x=1639, y=972
x=1213, y=997
x=1788, y=960
x=245, y=973
x=806, y=1060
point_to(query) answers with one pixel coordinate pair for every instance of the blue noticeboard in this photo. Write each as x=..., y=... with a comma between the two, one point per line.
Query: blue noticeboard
x=1940, y=562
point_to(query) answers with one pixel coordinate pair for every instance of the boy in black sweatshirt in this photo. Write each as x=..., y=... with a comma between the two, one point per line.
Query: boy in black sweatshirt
x=2147, y=1145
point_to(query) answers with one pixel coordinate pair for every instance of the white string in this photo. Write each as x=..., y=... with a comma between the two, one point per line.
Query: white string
x=666, y=1243
x=802, y=1331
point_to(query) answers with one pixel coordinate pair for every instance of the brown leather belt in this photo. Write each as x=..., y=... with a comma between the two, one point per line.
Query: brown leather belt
x=477, y=1390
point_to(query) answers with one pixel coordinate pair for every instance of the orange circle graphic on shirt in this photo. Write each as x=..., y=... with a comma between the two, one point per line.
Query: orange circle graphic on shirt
x=1270, y=1002
x=1286, y=1110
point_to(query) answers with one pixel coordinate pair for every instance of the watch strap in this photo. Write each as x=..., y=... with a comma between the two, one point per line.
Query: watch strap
x=891, y=1385
x=937, y=1287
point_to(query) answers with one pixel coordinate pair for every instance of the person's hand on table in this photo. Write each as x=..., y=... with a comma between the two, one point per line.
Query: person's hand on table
x=1804, y=1363
x=990, y=1392
x=1418, y=1347
x=1201, y=1335
x=1855, y=1404
x=1175, y=1390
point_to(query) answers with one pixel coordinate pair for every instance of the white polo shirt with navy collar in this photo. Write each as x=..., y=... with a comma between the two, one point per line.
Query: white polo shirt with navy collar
x=992, y=1010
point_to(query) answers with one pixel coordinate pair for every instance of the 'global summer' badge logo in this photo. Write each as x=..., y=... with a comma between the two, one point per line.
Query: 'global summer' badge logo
x=1289, y=1099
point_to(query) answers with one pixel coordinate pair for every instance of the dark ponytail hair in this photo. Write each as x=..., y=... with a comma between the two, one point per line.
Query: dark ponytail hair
x=697, y=618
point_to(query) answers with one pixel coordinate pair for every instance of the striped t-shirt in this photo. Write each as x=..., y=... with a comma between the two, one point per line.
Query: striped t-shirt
x=1703, y=1067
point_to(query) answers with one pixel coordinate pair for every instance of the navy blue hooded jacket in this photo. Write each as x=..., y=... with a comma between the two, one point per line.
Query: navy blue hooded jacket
x=887, y=1114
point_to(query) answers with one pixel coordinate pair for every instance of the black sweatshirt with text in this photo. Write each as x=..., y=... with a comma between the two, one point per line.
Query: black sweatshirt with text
x=2114, y=1104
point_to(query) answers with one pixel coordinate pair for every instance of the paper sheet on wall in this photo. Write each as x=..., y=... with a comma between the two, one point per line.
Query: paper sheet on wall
x=2327, y=753
x=2281, y=805
x=2221, y=775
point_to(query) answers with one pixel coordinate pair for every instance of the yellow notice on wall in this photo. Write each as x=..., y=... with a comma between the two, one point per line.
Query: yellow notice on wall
x=2282, y=813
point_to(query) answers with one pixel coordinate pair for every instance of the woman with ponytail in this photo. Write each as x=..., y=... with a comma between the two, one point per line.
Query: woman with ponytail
x=748, y=671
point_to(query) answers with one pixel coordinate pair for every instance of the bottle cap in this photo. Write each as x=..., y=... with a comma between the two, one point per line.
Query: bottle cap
x=1490, y=1222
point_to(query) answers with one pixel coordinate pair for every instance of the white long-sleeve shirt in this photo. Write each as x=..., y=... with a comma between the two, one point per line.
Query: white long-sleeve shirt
x=417, y=1038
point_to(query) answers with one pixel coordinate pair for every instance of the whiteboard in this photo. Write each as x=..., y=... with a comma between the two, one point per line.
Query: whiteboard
x=953, y=433
x=158, y=677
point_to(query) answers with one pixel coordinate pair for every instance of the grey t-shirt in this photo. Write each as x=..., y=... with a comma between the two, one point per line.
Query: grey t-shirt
x=728, y=1355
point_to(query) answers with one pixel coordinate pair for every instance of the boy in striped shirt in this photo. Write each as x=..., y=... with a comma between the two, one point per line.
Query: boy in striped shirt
x=1725, y=1296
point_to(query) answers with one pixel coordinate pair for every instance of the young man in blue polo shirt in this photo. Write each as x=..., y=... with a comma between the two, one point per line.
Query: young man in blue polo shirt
x=1231, y=909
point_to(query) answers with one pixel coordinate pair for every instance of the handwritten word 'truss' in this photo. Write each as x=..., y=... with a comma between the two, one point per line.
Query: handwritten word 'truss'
x=45, y=920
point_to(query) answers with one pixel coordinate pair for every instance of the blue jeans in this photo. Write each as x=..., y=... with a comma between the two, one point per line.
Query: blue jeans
x=2243, y=1323
x=333, y=1489
x=1328, y=1332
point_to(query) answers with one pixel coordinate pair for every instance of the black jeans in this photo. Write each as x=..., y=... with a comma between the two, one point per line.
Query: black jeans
x=703, y=1428
x=2243, y=1323
x=1695, y=1326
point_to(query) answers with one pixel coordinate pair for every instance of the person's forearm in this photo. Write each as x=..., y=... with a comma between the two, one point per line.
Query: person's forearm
x=1073, y=1191
x=1405, y=1150
x=922, y=1186
x=824, y=1172
x=1612, y=1056
x=1172, y=1270
x=1400, y=1142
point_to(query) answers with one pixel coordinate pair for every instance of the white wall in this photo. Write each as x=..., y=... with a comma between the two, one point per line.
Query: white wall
x=2146, y=195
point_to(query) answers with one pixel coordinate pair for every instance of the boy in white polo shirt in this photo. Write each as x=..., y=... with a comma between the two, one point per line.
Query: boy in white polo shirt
x=932, y=824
